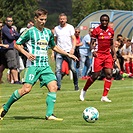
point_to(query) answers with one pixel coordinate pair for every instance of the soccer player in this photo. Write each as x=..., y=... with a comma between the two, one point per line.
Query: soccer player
x=102, y=57
x=39, y=39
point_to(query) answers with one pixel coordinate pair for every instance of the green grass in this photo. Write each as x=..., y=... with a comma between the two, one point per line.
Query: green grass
x=27, y=114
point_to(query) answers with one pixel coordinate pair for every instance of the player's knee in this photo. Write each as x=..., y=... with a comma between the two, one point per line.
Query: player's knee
x=53, y=88
x=95, y=76
x=26, y=89
x=109, y=76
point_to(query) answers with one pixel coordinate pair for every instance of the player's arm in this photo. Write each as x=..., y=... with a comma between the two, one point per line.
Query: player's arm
x=92, y=47
x=59, y=50
x=94, y=36
x=113, y=52
x=30, y=56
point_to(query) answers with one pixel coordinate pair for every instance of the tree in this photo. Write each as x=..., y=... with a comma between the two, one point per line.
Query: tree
x=20, y=10
x=82, y=8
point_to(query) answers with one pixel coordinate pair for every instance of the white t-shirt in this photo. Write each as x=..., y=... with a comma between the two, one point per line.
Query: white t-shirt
x=126, y=50
x=63, y=35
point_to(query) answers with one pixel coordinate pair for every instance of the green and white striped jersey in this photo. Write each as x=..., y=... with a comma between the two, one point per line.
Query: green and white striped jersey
x=37, y=42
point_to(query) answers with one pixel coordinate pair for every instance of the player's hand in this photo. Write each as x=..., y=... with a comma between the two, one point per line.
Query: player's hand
x=31, y=57
x=94, y=53
x=114, y=57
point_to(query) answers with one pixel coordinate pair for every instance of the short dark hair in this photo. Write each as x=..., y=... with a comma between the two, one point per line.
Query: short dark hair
x=104, y=15
x=119, y=35
x=62, y=14
x=40, y=12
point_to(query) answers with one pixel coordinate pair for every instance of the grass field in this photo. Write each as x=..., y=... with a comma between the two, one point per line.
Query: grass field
x=27, y=114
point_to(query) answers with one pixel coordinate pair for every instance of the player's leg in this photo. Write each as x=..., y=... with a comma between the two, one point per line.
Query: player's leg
x=17, y=94
x=30, y=78
x=50, y=101
x=96, y=68
x=108, y=67
x=89, y=82
x=107, y=85
x=48, y=79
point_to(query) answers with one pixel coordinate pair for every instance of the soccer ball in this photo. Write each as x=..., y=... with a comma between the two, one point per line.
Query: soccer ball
x=90, y=114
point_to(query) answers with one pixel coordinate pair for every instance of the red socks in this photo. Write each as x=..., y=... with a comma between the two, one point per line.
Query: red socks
x=131, y=67
x=127, y=67
x=107, y=85
x=88, y=83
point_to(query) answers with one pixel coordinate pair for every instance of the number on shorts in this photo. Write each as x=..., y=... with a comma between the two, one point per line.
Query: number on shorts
x=31, y=77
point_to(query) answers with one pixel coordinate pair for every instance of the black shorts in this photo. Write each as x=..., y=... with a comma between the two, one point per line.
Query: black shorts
x=2, y=58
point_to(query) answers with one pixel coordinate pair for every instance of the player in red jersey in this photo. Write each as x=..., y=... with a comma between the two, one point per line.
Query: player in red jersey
x=103, y=57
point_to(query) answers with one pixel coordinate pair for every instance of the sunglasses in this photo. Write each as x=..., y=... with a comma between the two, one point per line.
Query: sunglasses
x=42, y=19
x=9, y=21
x=77, y=32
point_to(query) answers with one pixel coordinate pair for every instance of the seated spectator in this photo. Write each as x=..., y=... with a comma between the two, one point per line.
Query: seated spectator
x=118, y=44
x=128, y=57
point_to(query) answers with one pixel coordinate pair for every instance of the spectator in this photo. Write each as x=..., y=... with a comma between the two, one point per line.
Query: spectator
x=119, y=36
x=2, y=58
x=102, y=58
x=29, y=25
x=65, y=67
x=20, y=62
x=85, y=53
x=37, y=64
x=9, y=36
x=128, y=57
x=78, y=44
x=64, y=37
x=118, y=44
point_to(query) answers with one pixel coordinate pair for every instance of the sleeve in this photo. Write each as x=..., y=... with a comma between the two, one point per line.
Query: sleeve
x=55, y=33
x=112, y=33
x=16, y=35
x=51, y=41
x=25, y=37
x=87, y=38
x=7, y=34
x=94, y=34
x=72, y=31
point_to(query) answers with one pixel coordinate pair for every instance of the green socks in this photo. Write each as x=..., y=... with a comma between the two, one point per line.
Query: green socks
x=50, y=101
x=15, y=96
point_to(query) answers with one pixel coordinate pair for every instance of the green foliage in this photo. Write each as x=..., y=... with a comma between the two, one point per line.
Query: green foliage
x=20, y=10
x=83, y=8
x=23, y=10
x=52, y=20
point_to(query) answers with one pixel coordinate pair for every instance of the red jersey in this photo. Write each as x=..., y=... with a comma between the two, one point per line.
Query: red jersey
x=104, y=38
x=78, y=40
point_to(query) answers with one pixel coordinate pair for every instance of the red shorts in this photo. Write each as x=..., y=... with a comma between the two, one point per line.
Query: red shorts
x=102, y=61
